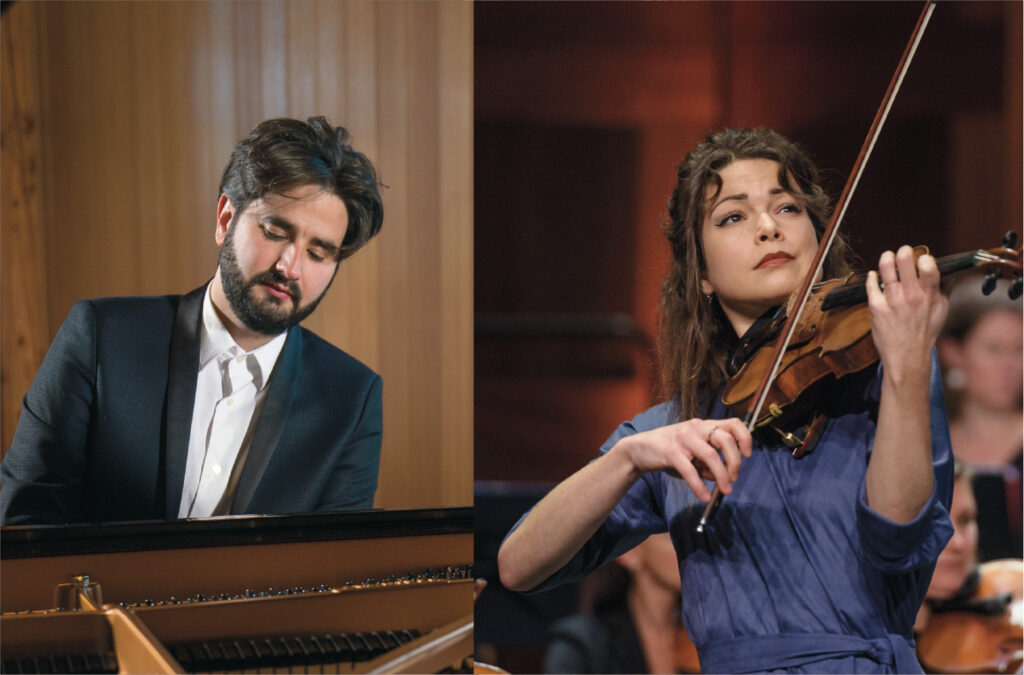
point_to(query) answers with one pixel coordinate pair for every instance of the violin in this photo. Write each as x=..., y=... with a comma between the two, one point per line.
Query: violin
x=984, y=634
x=832, y=339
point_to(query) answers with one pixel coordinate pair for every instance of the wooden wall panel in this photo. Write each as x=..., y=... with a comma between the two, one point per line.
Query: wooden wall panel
x=23, y=324
x=141, y=104
x=455, y=214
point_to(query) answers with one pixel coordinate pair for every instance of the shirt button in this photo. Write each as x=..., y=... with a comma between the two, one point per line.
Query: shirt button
x=239, y=359
x=230, y=401
x=215, y=469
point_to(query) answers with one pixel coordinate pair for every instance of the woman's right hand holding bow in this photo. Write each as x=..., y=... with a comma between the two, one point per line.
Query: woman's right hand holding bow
x=693, y=450
x=561, y=523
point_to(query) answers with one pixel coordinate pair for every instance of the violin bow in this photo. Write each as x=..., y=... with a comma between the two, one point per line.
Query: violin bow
x=789, y=327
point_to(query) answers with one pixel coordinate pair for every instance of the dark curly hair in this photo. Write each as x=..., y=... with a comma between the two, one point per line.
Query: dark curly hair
x=693, y=333
x=281, y=154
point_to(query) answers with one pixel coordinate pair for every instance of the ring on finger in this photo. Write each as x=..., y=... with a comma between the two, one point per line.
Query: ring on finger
x=711, y=431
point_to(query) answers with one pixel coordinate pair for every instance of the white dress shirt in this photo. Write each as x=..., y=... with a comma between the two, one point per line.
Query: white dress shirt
x=229, y=396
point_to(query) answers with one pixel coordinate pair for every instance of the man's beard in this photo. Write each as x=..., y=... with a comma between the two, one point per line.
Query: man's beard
x=269, y=315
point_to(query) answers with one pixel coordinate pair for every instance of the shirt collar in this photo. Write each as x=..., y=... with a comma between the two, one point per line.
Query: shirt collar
x=216, y=341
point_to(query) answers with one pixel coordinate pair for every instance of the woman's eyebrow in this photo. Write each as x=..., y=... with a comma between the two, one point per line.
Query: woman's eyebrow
x=737, y=197
x=743, y=195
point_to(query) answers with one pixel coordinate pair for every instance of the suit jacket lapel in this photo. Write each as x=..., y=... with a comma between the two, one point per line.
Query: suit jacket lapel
x=181, y=394
x=283, y=382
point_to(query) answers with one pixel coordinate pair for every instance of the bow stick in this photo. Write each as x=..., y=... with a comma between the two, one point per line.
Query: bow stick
x=826, y=240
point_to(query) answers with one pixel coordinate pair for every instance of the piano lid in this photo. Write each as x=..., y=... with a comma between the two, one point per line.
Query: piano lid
x=30, y=541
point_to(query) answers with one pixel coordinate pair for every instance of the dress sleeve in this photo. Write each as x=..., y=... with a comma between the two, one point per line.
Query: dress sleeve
x=637, y=516
x=43, y=471
x=895, y=548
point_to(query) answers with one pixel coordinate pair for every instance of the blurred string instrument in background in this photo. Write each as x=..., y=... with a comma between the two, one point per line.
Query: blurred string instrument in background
x=981, y=631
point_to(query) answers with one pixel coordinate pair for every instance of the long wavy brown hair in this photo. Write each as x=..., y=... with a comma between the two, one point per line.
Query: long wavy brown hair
x=693, y=332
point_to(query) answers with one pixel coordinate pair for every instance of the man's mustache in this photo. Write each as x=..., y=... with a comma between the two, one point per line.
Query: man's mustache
x=272, y=276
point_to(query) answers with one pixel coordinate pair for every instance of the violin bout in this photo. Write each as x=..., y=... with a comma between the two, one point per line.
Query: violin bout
x=826, y=346
x=971, y=642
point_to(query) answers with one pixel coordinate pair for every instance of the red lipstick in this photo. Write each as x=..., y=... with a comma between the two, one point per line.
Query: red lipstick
x=774, y=259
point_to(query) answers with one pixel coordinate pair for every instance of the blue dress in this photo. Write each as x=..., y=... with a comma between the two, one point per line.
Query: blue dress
x=797, y=573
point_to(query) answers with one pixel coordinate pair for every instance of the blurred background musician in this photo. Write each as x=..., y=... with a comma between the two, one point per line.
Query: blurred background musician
x=959, y=559
x=629, y=618
x=981, y=351
x=971, y=620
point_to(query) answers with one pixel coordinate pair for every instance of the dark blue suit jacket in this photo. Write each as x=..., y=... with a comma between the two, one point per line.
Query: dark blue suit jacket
x=104, y=429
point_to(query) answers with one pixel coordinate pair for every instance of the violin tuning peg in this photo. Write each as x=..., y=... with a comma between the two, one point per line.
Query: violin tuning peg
x=989, y=284
x=1010, y=240
x=1016, y=287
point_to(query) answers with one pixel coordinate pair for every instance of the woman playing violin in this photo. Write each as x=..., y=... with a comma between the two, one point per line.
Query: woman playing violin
x=811, y=565
x=981, y=348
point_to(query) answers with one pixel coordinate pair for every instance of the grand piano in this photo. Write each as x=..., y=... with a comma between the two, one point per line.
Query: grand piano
x=371, y=591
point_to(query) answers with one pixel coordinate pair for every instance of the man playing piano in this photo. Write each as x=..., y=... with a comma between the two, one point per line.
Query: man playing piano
x=217, y=402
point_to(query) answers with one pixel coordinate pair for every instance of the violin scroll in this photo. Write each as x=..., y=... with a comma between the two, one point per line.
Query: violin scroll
x=1007, y=249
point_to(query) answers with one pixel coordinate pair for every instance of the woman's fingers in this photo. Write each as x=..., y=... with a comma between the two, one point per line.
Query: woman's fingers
x=726, y=446
x=739, y=434
x=911, y=285
x=887, y=269
x=690, y=475
x=721, y=453
x=705, y=451
x=907, y=316
x=928, y=273
x=695, y=450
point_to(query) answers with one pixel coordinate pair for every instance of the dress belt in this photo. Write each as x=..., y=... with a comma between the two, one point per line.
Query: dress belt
x=792, y=650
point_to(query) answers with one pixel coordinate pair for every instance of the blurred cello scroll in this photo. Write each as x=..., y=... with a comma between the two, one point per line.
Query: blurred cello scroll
x=982, y=633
